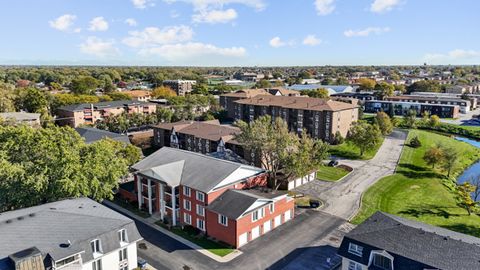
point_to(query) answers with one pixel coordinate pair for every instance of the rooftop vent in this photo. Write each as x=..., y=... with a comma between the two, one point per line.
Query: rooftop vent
x=31, y=215
x=8, y=221
x=66, y=245
x=20, y=218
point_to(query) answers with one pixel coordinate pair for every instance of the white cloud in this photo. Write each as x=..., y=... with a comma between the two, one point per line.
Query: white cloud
x=311, y=40
x=142, y=4
x=98, y=47
x=454, y=56
x=131, y=22
x=381, y=6
x=63, y=23
x=98, y=24
x=192, y=51
x=276, y=42
x=324, y=7
x=216, y=4
x=153, y=36
x=366, y=32
x=215, y=16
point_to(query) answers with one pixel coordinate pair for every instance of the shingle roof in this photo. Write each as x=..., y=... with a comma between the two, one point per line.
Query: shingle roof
x=200, y=172
x=20, y=116
x=212, y=131
x=48, y=226
x=302, y=102
x=414, y=243
x=92, y=135
x=103, y=105
x=247, y=93
x=239, y=199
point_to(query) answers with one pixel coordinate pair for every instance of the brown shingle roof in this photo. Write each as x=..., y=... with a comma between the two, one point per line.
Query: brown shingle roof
x=210, y=130
x=247, y=93
x=302, y=103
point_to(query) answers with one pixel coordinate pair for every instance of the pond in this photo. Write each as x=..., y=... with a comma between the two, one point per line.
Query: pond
x=474, y=170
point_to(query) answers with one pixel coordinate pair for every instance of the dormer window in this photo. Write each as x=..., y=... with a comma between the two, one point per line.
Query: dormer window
x=95, y=245
x=381, y=260
x=355, y=249
x=122, y=236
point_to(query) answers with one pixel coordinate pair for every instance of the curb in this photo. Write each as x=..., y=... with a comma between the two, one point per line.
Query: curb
x=180, y=239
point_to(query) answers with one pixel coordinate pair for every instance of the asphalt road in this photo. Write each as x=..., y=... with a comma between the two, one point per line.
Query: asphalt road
x=343, y=198
x=275, y=250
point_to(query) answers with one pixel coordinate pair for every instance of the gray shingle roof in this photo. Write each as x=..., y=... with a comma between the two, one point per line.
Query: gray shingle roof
x=48, y=226
x=414, y=243
x=92, y=135
x=241, y=201
x=200, y=172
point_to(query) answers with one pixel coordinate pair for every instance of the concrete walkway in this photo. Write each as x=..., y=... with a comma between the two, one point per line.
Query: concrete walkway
x=343, y=198
x=151, y=222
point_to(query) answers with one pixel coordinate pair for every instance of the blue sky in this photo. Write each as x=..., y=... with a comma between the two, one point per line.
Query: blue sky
x=239, y=32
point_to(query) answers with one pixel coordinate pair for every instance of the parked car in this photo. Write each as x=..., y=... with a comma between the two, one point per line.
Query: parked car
x=333, y=163
x=314, y=203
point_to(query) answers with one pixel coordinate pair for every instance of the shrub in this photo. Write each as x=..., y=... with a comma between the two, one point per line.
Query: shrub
x=338, y=138
x=415, y=142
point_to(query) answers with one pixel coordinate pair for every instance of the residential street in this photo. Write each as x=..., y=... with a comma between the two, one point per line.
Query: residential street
x=275, y=250
x=343, y=198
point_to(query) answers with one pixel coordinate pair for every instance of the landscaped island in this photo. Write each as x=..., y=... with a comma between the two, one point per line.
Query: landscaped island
x=416, y=191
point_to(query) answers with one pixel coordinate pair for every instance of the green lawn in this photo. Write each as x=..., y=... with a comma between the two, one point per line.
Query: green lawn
x=350, y=151
x=420, y=193
x=200, y=240
x=327, y=173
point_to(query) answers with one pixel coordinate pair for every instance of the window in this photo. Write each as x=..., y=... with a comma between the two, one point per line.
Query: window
x=122, y=255
x=354, y=266
x=187, y=205
x=223, y=220
x=186, y=191
x=272, y=208
x=122, y=235
x=255, y=216
x=97, y=265
x=201, y=224
x=187, y=219
x=200, y=196
x=200, y=210
x=382, y=262
x=355, y=249
x=95, y=245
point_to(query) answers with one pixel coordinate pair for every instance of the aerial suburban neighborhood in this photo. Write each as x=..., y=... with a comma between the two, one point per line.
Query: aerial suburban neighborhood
x=229, y=134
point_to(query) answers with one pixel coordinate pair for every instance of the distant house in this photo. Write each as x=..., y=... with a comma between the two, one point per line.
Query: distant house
x=86, y=113
x=401, y=108
x=332, y=89
x=32, y=119
x=92, y=135
x=139, y=95
x=388, y=242
x=225, y=200
x=70, y=234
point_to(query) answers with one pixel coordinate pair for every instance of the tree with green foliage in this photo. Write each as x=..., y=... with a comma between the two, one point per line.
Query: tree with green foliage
x=450, y=159
x=366, y=84
x=410, y=119
x=465, y=197
x=384, y=89
x=424, y=86
x=415, y=142
x=433, y=155
x=50, y=164
x=84, y=85
x=327, y=81
x=200, y=89
x=32, y=100
x=164, y=115
x=317, y=93
x=279, y=149
x=342, y=81
x=119, y=96
x=7, y=97
x=434, y=121
x=400, y=88
x=263, y=83
x=384, y=123
x=364, y=135
x=163, y=92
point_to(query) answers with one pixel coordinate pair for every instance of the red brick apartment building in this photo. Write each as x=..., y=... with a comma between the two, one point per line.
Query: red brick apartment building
x=86, y=113
x=226, y=200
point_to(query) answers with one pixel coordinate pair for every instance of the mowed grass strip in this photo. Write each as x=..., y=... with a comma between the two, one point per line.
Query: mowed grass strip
x=420, y=193
x=327, y=173
x=350, y=151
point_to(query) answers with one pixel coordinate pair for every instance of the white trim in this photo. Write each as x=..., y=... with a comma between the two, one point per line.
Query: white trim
x=198, y=224
x=220, y=220
x=355, y=249
x=185, y=203
x=202, y=213
x=187, y=220
x=382, y=253
x=198, y=193
x=185, y=189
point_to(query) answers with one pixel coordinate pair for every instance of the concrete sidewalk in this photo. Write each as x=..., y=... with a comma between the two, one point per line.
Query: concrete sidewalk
x=151, y=222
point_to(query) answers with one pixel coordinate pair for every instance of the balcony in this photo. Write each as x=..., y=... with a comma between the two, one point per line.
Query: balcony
x=168, y=204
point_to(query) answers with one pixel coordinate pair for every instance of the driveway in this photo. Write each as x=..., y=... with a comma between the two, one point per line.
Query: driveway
x=274, y=250
x=343, y=198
